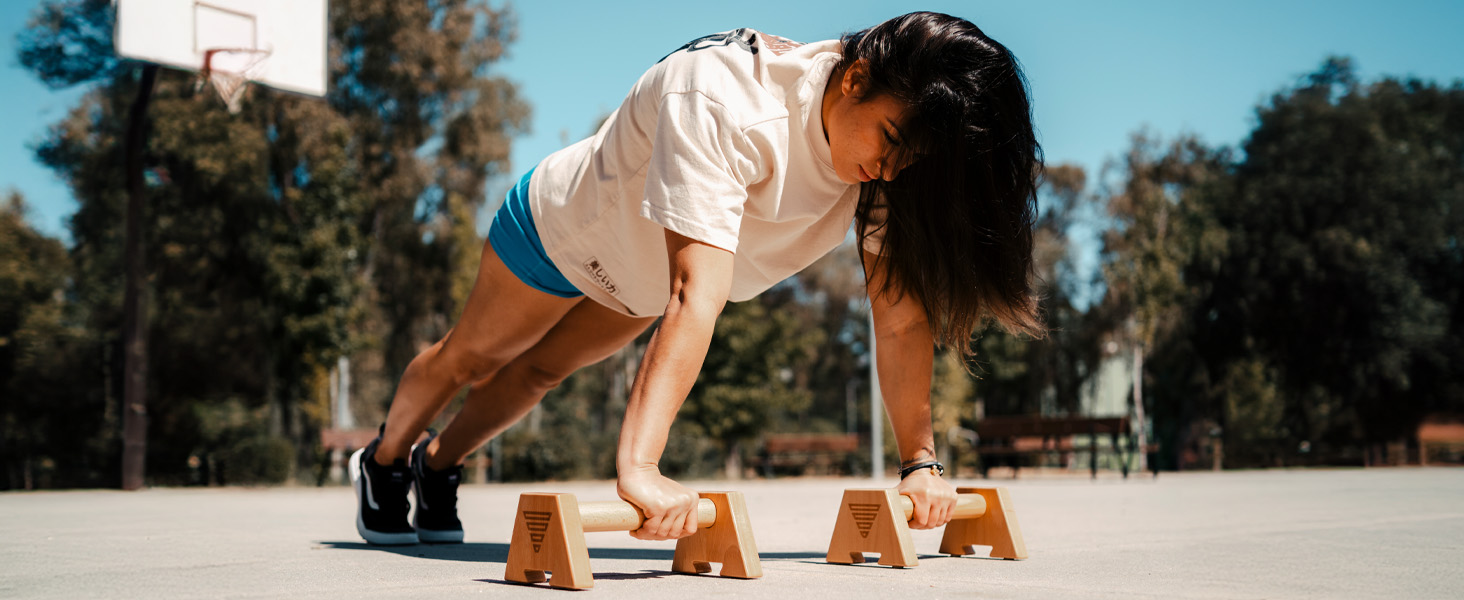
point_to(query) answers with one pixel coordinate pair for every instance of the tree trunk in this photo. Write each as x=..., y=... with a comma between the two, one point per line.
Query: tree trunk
x=1141, y=432
x=732, y=468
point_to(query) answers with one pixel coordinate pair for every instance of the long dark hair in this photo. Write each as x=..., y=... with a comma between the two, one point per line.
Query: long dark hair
x=957, y=222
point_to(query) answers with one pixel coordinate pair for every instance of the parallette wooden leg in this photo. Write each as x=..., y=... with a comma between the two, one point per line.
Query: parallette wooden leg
x=727, y=541
x=548, y=536
x=998, y=528
x=870, y=522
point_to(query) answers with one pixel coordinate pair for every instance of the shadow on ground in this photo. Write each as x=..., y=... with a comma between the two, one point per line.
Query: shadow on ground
x=598, y=577
x=498, y=553
x=469, y=552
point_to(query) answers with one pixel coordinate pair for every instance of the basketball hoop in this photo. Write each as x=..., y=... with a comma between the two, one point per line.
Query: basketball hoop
x=229, y=69
x=230, y=44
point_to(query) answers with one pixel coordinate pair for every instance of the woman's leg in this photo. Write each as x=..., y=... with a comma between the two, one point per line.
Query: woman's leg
x=503, y=318
x=589, y=334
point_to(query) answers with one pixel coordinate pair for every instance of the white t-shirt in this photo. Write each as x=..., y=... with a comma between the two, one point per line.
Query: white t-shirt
x=722, y=142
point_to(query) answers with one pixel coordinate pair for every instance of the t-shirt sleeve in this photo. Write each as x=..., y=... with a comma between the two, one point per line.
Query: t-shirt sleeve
x=700, y=167
x=874, y=227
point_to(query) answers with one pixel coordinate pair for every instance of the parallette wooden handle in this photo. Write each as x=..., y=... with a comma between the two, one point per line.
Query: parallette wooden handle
x=968, y=506
x=619, y=515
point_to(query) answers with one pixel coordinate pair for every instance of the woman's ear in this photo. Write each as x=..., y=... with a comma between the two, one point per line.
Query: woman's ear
x=856, y=80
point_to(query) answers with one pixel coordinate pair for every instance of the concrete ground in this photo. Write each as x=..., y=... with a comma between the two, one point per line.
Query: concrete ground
x=1378, y=533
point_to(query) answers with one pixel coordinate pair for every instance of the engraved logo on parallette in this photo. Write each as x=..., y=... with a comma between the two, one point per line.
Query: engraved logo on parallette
x=863, y=516
x=537, y=522
x=597, y=273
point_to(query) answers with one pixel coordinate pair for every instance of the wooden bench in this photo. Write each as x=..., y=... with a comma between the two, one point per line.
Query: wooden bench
x=808, y=453
x=1445, y=435
x=1044, y=436
x=346, y=440
x=338, y=445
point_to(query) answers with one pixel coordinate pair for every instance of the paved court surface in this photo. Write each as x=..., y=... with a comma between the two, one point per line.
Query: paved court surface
x=1382, y=533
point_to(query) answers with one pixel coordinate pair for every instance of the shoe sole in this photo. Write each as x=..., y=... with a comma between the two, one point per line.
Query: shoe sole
x=373, y=537
x=428, y=535
x=439, y=537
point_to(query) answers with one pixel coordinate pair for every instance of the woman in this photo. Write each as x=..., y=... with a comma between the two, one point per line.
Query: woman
x=734, y=162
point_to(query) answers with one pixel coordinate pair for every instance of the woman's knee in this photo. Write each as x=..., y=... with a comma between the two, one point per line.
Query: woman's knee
x=464, y=364
x=541, y=376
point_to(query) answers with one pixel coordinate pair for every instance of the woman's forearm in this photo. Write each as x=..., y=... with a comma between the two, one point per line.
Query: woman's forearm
x=904, y=357
x=666, y=374
x=700, y=280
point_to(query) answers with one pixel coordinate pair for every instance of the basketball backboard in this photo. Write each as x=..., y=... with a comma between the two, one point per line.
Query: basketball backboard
x=279, y=43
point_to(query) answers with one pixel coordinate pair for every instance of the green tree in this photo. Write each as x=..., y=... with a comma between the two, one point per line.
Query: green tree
x=430, y=124
x=750, y=378
x=1342, y=264
x=1160, y=229
x=291, y=233
x=38, y=341
x=254, y=288
x=829, y=296
x=1303, y=294
x=1017, y=376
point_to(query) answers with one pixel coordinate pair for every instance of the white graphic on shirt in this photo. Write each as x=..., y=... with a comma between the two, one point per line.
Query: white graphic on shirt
x=778, y=45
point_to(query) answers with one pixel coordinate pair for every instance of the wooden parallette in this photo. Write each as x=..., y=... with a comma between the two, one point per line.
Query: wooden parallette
x=878, y=521
x=549, y=536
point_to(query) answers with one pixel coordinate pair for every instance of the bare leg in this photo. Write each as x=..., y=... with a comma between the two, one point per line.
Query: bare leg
x=503, y=318
x=589, y=334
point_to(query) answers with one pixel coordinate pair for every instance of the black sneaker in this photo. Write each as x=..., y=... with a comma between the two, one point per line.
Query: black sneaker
x=381, y=498
x=436, y=493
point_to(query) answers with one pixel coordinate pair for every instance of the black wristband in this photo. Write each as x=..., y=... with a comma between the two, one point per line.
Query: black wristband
x=939, y=468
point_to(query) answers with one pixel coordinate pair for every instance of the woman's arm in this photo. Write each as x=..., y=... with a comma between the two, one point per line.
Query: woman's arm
x=905, y=353
x=701, y=278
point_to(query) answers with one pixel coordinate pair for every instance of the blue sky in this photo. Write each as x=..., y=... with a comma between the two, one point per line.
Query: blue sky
x=1099, y=70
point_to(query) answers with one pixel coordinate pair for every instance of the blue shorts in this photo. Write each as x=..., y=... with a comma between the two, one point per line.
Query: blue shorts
x=516, y=241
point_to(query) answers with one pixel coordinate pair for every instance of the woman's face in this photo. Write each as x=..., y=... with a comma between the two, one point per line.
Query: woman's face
x=862, y=130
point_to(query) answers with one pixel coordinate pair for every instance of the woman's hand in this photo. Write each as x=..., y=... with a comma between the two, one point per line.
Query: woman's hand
x=934, y=499
x=669, y=507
